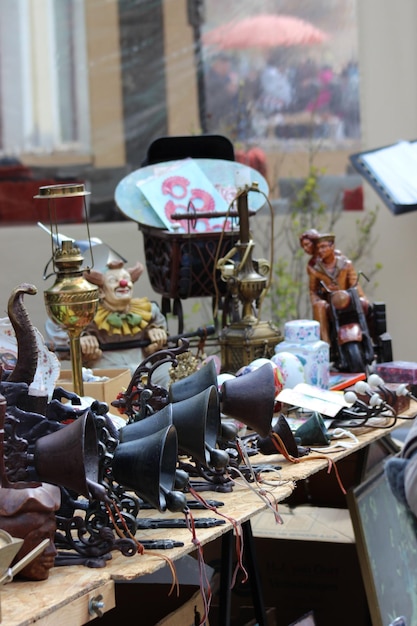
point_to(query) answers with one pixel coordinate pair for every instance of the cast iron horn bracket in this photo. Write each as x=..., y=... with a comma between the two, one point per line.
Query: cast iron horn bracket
x=130, y=402
x=92, y=538
x=215, y=480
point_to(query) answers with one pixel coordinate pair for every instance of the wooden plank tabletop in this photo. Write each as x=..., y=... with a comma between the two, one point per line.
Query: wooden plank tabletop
x=26, y=602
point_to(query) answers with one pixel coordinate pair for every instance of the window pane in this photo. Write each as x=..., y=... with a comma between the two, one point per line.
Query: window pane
x=44, y=107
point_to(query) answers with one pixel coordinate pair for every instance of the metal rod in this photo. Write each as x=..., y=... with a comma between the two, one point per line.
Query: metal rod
x=76, y=364
x=243, y=210
x=207, y=214
x=204, y=331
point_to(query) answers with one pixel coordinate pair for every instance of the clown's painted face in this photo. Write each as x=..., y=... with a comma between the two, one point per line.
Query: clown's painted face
x=116, y=292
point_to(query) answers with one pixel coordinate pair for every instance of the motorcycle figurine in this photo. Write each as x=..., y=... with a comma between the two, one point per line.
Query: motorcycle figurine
x=357, y=339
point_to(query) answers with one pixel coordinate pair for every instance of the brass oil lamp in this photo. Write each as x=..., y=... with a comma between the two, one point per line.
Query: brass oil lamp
x=72, y=301
x=247, y=338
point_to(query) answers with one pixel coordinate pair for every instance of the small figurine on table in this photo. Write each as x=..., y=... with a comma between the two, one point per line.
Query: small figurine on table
x=29, y=513
x=122, y=321
x=308, y=241
x=335, y=271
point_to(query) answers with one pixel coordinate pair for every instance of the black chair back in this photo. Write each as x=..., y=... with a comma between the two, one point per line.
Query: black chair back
x=194, y=146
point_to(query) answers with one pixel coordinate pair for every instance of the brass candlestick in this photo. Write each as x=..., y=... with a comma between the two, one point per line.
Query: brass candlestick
x=72, y=301
x=248, y=338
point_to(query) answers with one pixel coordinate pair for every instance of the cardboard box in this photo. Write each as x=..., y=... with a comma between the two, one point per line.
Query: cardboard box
x=146, y=600
x=308, y=564
x=323, y=577
x=105, y=391
x=399, y=372
x=185, y=615
x=150, y=603
x=305, y=523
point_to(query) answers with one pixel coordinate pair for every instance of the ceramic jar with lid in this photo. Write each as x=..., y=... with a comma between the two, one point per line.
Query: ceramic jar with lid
x=302, y=338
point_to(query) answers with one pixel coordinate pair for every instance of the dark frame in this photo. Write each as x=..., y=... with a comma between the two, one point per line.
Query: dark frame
x=386, y=539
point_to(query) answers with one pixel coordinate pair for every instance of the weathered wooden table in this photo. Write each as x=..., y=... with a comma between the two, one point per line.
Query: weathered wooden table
x=67, y=596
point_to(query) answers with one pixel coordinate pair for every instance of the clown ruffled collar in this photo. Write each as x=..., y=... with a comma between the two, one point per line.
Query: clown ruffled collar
x=130, y=323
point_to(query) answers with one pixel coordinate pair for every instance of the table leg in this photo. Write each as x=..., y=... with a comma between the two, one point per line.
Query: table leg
x=253, y=572
x=228, y=542
x=225, y=592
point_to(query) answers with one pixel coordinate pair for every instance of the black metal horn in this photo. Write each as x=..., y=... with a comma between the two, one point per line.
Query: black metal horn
x=69, y=457
x=197, y=420
x=148, y=467
x=250, y=398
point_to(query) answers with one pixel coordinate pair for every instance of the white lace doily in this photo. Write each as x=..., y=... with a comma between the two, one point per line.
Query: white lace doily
x=48, y=368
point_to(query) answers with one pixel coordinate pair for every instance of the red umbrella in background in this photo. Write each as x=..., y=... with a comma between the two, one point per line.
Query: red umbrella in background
x=264, y=31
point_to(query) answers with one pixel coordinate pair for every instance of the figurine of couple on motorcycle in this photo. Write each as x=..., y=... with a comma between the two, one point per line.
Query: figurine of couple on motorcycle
x=354, y=328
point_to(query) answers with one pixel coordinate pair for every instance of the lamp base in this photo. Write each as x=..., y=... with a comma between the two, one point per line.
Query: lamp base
x=242, y=343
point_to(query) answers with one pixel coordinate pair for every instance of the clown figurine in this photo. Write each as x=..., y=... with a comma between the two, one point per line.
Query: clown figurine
x=121, y=321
